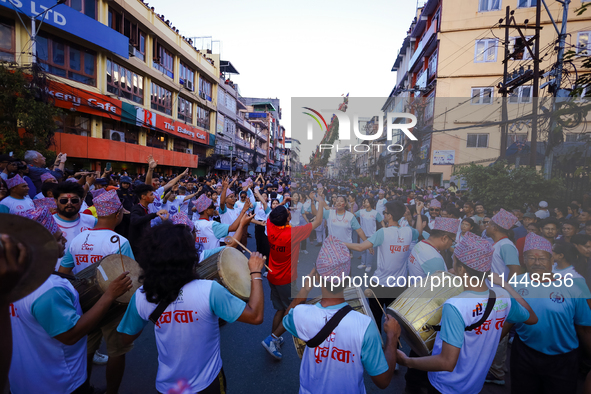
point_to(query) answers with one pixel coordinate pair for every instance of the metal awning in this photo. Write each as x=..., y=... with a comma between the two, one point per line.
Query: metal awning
x=227, y=67
x=266, y=104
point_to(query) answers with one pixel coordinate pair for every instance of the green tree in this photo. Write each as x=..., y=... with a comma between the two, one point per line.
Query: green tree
x=27, y=117
x=509, y=187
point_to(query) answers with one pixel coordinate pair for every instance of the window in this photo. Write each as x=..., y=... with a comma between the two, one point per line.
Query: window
x=518, y=44
x=156, y=139
x=482, y=95
x=477, y=141
x=202, y=117
x=87, y=7
x=113, y=129
x=229, y=127
x=161, y=99
x=432, y=65
x=61, y=58
x=429, y=105
x=115, y=20
x=574, y=137
x=180, y=145
x=513, y=138
x=163, y=60
x=522, y=94
x=7, y=41
x=74, y=124
x=124, y=83
x=205, y=89
x=526, y=3
x=583, y=43
x=137, y=39
x=489, y=5
x=185, y=110
x=486, y=51
x=188, y=77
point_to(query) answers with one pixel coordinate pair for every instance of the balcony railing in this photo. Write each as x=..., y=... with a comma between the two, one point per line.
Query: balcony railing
x=261, y=151
x=422, y=44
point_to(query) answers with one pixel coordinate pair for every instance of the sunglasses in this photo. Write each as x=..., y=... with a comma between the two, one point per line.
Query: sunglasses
x=74, y=200
x=486, y=221
x=434, y=209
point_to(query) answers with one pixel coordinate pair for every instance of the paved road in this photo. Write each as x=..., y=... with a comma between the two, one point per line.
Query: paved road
x=248, y=367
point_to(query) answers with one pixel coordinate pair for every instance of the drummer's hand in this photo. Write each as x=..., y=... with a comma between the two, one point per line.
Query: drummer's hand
x=401, y=358
x=256, y=262
x=13, y=256
x=371, y=251
x=391, y=327
x=119, y=286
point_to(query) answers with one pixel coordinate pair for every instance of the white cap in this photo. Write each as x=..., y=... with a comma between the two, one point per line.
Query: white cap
x=543, y=204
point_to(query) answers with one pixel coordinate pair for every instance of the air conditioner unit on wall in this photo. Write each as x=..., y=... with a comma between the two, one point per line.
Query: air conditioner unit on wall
x=115, y=135
x=202, y=95
x=189, y=85
x=189, y=151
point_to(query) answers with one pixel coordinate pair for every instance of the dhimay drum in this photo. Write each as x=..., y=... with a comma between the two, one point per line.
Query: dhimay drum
x=418, y=308
x=93, y=281
x=229, y=267
x=354, y=297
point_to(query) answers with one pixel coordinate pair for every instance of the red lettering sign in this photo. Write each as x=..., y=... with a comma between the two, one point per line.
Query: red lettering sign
x=165, y=318
x=68, y=97
x=94, y=258
x=183, y=316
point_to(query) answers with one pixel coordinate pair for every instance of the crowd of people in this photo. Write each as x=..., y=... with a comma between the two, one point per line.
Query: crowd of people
x=169, y=224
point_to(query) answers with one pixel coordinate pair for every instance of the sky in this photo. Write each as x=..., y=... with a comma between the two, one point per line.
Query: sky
x=285, y=49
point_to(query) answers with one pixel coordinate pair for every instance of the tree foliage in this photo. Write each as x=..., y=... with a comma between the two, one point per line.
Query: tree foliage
x=27, y=117
x=509, y=187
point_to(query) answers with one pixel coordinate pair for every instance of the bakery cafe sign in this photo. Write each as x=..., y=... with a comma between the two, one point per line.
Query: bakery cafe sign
x=153, y=120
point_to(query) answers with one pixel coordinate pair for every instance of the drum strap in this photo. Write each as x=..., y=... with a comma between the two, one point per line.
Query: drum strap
x=155, y=315
x=492, y=299
x=65, y=276
x=329, y=327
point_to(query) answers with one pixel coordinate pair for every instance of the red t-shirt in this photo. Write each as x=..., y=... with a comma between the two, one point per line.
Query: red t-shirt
x=281, y=253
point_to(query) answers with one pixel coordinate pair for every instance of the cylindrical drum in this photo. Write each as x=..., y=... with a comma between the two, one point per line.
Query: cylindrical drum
x=418, y=308
x=93, y=281
x=229, y=267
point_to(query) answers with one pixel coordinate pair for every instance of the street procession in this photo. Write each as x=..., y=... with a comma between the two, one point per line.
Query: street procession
x=427, y=231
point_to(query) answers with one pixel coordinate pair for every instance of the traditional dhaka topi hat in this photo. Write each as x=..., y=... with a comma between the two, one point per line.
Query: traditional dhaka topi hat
x=228, y=192
x=435, y=203
x=107, y=203
x=15, y=181
x=446, y=224
x=504, y=219
x=381, y=191
x=334, y=258
x=47, y=202
x=43, y=216
x=202, y=203
x=97, y=192
x=475, y=252
x=534, y=241
x=46, y=177
x=182, y=218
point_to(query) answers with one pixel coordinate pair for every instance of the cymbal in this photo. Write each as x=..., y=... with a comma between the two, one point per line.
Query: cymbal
x=42, y=252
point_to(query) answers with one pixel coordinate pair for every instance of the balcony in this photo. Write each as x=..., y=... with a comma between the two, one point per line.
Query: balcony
x=422, y=45
x=262, y=151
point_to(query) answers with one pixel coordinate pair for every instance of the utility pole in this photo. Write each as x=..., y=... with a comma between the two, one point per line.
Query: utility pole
x=555, y=85
x=533, y=155
x=504, y=115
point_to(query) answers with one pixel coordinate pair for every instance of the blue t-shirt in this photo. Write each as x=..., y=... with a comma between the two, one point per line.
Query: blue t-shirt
x=372, y=355
x=55, y=311
x=559, y=309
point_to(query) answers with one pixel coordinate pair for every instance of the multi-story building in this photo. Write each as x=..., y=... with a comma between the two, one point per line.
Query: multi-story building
x=452, y=59
x=265, y=113
x=293, y=152
x=129, y=83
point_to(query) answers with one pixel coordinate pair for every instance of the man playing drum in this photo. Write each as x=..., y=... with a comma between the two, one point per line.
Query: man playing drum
x=466, y=344
x=87, y=248
x=545, y=357
x=49, y=329
x=186, y=328
x=337, y=364
x=393, y=247
x=209, y=232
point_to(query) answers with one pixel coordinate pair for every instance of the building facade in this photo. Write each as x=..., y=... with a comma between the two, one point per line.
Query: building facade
x=452, y=62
